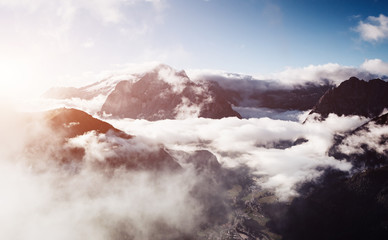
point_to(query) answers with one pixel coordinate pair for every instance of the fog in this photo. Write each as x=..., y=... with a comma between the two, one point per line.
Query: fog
x=44, y=199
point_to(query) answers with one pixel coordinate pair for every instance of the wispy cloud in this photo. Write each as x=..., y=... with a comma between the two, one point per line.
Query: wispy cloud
x=374, y=29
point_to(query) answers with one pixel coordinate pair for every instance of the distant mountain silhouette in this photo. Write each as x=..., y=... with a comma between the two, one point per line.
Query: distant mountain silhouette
x=167, y=94
x=354, y=97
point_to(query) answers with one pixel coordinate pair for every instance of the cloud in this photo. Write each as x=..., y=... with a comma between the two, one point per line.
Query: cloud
x=289, y=78
x=102, y=83
x=91, y=106
x=375, y=66
x=353, y=17
x=170, y=76
x=44, y=199
x=55, y=22
x=248, y=92
x=79, y=199
x=135, y=205
x=108, y=11
x=331, y=72
x=242, y=141
x=371, y=137
x=318, y=74
x=374, y=29
x=186, y=109
x=89, y=44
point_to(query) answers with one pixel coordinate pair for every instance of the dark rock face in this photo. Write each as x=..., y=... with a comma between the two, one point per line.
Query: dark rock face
x=354, y=97
x=283, y=144
x=166, y=94
x=204, y=160
x=342, y=205
x=338, y=207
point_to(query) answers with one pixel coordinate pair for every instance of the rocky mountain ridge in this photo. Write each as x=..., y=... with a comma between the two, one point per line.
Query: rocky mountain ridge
x=354, y=97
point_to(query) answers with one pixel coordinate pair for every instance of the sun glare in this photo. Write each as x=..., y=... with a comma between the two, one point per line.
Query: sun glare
x=18, y=78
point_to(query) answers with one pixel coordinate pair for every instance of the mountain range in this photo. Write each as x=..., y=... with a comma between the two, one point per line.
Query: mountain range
x=338, y=205
x=165, y=93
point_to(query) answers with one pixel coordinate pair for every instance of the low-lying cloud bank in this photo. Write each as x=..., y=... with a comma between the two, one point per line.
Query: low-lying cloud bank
x=127, y=205
x=76, y=199
x=48, y=197
x=333, y=73
x=255, y=143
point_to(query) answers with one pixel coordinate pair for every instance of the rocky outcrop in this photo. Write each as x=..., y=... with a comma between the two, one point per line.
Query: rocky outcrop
x=354, y=97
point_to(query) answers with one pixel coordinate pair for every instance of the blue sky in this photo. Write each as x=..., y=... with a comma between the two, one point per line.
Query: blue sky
x=50, y=40
x=266, y=36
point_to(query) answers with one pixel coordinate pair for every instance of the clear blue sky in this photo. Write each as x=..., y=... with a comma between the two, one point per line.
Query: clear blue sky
x=49, y=39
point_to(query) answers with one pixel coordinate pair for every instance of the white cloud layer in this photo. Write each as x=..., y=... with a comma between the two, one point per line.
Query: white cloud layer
x=235, y=141
x=370, y=137
x=44, y=200
x=375, y=66
x=374, y=28
x=333, y=72
x=318, y=74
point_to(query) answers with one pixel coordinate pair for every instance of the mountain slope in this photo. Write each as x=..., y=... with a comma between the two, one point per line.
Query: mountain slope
x=366, y=146
x=73, y=122
x=71, y=137
x=337, y=206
